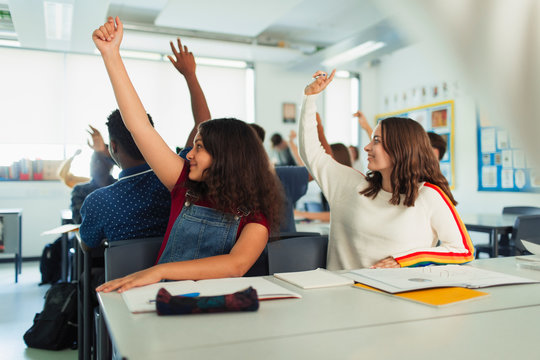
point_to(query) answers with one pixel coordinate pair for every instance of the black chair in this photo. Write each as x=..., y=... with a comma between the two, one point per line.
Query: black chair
x=260, y=268
x=525, y=227
x=297, y=254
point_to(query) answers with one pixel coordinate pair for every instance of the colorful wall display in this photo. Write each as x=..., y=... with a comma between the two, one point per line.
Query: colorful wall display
x=502, y=165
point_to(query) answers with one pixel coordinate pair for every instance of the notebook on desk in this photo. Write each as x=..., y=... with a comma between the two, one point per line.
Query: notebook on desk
x=141, y=299
x=435, y=297
x=407, y=279
x=313, y=279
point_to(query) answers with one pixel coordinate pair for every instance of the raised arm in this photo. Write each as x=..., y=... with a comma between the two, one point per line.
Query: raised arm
x=65, y=174
x=184, y=62
x=363, y=122
x=294, y=148
x=322, y=137
x=165, y=163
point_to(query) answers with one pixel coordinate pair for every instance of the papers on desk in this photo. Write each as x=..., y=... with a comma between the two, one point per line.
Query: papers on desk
x=407, y=279
x=435, y=297
x=314, y=279
x=530, y=261
x=141, y=299
x=61, y=229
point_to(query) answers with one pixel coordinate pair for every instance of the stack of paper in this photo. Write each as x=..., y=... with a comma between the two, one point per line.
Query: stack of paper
x=142, y=299
x=313, y=279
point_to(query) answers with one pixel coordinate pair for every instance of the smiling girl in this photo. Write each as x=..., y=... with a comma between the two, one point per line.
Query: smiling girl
x=401, y=213
x=225, y=199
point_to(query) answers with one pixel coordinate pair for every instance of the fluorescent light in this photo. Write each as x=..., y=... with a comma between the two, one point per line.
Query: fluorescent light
x=11, y=43
x=342, y=74
x=354, y=53
x=58, y=20
x=221, y=62
x=140, y=55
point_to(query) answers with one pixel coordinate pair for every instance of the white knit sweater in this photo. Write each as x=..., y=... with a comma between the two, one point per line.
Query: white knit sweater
x=365, y=230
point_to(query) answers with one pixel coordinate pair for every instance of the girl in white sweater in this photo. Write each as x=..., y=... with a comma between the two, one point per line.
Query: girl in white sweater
x=394, y=216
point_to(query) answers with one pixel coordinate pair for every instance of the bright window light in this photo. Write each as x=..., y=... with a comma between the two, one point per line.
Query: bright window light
x=11, y=43
x=354, y=53
x=221, y=62
x=58, y=20
x=343, y=74
x=140, y=55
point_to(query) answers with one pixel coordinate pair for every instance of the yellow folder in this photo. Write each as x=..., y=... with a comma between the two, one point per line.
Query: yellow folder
x=435, y=296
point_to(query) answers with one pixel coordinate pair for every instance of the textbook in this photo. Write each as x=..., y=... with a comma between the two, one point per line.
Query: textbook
x=313, y=279
x=142, y=299
x=435, y=297
x=407, y=279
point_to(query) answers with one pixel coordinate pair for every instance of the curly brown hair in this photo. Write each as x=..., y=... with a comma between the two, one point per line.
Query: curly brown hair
x=409, y=148
x=240, y=179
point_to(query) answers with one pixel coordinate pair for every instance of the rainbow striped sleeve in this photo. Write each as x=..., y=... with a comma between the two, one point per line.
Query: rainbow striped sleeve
x=440, y=255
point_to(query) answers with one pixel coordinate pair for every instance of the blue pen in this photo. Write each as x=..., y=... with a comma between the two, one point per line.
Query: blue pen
x=193, y=294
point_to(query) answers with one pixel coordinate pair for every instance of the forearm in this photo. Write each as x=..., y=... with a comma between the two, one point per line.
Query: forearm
x=295, y=153
x=322, y=137
x=199, y=106
x=214, y=267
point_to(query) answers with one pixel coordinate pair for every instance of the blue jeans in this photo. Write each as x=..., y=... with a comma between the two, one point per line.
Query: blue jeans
x=200, y=232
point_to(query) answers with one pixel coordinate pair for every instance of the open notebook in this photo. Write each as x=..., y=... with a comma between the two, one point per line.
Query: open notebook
x=142, y=299
x=407, y=279
x=313, y=279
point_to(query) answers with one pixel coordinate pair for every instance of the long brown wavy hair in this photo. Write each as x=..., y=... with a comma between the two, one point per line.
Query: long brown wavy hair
x=408, y=146
x=239, y=180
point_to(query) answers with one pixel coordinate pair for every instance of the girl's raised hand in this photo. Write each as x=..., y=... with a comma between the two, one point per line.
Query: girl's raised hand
x=319, y=84
x=109, y=36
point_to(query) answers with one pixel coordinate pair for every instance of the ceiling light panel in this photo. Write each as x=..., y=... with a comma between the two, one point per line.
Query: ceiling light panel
x=238, y=17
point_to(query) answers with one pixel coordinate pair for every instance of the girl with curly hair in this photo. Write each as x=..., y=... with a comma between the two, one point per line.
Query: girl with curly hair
x=225, y=198
x=401, y=213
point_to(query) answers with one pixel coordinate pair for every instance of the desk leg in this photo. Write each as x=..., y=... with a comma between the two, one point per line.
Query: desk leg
x=494, y=235
x=17, y=270
x=64, y=256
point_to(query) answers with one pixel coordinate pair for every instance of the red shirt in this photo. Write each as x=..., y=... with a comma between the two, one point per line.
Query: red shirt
x=178, y=198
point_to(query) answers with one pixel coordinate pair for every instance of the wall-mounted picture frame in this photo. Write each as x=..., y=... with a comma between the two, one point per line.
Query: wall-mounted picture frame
x=289, y=113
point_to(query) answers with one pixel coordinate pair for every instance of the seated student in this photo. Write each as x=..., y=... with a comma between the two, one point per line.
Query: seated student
x=100, y=171
x=294, y=180
x=224, y=198
x=396, y=214
x=438, y=144
x=282, y=151
x=136, y=206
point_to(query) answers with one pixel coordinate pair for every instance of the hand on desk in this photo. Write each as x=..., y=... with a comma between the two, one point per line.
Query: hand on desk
x=388, y=262
x=140, y=278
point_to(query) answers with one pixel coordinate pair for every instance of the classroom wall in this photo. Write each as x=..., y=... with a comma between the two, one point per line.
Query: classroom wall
x=410, y=67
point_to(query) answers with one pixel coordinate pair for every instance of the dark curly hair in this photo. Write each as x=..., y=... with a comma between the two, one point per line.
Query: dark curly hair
x=408, y=146
x=240, y=179
x=119, y=133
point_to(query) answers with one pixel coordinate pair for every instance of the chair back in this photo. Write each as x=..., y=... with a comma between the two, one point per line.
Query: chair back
x=128, y=256
x=525, y=227
x=521, y=210
x=297, y=254
x=286, y=235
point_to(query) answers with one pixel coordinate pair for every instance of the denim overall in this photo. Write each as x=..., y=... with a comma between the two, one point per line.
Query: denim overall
x=200, y=232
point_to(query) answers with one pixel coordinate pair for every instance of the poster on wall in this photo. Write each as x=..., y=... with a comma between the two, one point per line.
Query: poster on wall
x=437, y=118
x=502, y=166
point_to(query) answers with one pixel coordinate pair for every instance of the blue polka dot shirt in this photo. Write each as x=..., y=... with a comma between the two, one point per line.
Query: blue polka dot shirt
x=137, y=206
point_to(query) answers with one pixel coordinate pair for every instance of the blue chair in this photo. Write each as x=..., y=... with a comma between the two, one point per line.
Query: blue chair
x=313, y=206
x=297, y=254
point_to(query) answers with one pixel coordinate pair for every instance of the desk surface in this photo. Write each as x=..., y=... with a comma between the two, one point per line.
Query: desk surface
x=341, y=321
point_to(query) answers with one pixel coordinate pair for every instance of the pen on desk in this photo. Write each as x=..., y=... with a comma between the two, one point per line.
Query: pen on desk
x=193, y=294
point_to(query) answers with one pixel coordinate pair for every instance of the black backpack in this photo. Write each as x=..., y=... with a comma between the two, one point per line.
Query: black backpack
x=55, y=328
x=50, y=264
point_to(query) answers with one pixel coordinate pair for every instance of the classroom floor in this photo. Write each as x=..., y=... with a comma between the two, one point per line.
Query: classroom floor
x=19, y=303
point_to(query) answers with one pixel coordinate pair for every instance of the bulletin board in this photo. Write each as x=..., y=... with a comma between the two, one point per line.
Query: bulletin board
x=502, y=165
x=438, y=118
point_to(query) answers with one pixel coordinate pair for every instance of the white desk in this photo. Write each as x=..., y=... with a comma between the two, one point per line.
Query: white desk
x=334, y=323
x=316, y=226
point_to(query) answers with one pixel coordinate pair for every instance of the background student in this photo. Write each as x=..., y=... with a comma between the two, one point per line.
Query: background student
x=225, y=191
x=396, y=214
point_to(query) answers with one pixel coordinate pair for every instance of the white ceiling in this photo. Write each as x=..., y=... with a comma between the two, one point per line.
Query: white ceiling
x=288, y=32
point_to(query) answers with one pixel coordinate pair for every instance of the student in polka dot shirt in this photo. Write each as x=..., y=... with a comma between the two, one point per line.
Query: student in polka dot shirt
x=136, y=206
